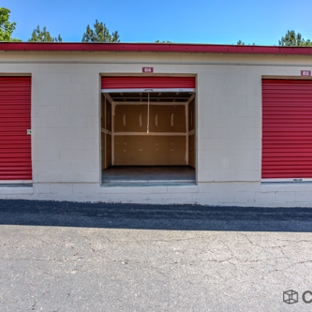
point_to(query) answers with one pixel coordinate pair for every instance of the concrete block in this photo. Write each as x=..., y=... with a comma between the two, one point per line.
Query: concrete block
x=251, y=175
x=45, y=154
x=84, y=100
x=41, y=188
x=39, y=122
x=47, y=111
x=87, y=144
x=181, y=189
x=77, y=121
x=61, y=188
x=249, y=111
x=86, y=189
x=66, y=110
x=55, y=99
x=91, y=110
x=90, y=132
x=206, y=175
x=225, y=175
x=83, y=165
x=82, y=176
x=82, y=155
x=242, y=164
x=47, y=176
x=249, y=122
x=265, y=199
x=59, y=122
x=7, y=192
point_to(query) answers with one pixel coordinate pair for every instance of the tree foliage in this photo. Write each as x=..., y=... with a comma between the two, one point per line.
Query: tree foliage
x=293, y=39
x=240, y=42
x=100, y=33
x=43, y=36
x=6, y=27
x=158, y=41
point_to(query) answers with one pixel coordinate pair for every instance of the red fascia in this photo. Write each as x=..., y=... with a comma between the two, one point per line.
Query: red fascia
x=151, y=47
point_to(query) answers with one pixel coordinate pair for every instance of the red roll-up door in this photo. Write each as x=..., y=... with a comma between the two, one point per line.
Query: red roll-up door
x=286, y=128
x=135, y=82
x=15, y=119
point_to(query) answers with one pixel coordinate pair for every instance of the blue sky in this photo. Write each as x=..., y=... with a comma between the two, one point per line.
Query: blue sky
x=217, y=22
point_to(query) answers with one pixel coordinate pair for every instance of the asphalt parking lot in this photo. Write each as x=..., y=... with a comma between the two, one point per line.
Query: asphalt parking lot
x=61, y=256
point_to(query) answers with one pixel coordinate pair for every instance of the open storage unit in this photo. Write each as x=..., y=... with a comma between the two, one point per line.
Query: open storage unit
x=148, y=129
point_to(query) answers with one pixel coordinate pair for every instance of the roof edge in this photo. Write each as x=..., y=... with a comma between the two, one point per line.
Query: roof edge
x=151, y=47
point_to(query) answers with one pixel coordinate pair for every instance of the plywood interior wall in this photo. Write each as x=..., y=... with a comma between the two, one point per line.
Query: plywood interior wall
x=191, y=151
x=191, y=133
x=134, y=134
x=103, y=152
x=106, y=133
x=191, y=115
x=167, y=118
x=162, y=118
x=163, y=144
x=149, y=150
x=130, y=118
x=108, y=141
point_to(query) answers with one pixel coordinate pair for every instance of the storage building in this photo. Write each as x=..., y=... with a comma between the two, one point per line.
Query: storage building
x=156, y=123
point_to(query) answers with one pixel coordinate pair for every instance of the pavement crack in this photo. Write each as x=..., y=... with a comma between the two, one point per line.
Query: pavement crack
x=40, y=239
x=246, y=236
x=227, y=246
x=90, y=245
x=32, y=308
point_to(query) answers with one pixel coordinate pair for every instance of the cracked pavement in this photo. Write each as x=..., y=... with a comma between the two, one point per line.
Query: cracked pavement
x=60, y=256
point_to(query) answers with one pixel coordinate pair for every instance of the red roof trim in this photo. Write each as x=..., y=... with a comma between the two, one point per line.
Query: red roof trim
x=151, y=47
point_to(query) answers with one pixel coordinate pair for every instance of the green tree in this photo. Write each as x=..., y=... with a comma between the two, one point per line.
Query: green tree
x=293, y=39
x=43, y=36
x=158, y=41
x=99, y=34
x=6, y=27
x=240, y=42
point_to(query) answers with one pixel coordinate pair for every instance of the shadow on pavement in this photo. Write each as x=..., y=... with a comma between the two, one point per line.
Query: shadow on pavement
x=154, y=217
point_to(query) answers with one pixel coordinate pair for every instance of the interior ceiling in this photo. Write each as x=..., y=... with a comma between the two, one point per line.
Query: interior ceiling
x=179, y=97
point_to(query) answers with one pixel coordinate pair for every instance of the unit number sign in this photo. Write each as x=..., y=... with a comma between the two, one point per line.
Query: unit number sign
x=147, y=69
x=306, y=73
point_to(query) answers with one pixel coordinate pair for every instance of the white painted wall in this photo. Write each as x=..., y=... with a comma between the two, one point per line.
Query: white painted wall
x=66, y=126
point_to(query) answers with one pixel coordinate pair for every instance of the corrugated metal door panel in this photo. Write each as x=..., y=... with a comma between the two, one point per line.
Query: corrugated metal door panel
x=135, y=82
x=286, y=128
x=15, y=119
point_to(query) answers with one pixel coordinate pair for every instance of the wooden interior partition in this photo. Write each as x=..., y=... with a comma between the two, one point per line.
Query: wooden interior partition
x=106, y=133
x=143, y=133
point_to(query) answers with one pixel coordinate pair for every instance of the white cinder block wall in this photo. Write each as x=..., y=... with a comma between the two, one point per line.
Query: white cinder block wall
x=66, y=126
x=65, y=123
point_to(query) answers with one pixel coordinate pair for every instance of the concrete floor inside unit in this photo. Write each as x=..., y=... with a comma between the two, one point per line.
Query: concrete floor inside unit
x=148, y=175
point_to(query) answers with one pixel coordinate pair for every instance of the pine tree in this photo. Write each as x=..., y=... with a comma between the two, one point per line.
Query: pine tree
x=43, y=36
x=100, y=33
